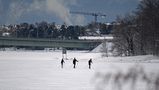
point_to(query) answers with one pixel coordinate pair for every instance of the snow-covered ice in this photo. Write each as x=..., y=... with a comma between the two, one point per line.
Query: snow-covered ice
x=41, y=70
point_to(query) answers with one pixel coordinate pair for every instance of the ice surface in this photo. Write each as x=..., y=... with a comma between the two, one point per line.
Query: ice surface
x=41, y=70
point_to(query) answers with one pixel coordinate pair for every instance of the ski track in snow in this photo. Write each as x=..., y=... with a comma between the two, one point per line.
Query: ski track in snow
x=33, y=70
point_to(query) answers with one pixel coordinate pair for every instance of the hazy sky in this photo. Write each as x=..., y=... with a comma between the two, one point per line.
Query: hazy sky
x=31, y=11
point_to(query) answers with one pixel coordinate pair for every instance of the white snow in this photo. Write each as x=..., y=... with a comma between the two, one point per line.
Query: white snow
x=41, y=70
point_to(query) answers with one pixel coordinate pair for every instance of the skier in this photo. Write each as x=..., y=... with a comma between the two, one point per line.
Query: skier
x=89, y=63
x=62, y=62
x=74, y=62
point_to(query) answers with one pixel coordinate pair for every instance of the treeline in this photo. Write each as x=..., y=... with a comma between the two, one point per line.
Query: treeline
x=138, y=33
x=51, y=30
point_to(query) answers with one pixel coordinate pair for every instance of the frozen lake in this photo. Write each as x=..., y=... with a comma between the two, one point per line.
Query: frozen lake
x=40, y=70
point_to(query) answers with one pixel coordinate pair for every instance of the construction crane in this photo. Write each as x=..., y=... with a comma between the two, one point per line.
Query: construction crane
x=92, y=14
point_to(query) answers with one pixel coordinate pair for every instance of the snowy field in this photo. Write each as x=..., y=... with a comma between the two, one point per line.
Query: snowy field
x=41, y=70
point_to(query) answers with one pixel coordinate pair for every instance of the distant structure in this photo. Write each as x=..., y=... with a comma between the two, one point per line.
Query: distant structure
x=92, y=14
x=106, y=37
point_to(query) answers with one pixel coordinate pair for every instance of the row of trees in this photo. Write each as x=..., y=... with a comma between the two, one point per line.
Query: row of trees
x=138, y=33
x=51, y=30
x=43, y=30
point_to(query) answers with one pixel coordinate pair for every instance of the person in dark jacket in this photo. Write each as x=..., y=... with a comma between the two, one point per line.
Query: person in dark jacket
x=74, y=62
x=62, y=62
x=89, y=63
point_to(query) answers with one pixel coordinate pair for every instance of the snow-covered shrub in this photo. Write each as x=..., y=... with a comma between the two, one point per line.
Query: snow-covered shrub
x=136, y=78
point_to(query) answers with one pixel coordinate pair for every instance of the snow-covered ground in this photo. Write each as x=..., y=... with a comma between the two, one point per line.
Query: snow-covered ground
x=41, y=70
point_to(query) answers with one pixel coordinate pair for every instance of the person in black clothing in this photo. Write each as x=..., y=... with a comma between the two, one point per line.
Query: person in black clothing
x=89, y=63
x=74, y=62
x=62, y=62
